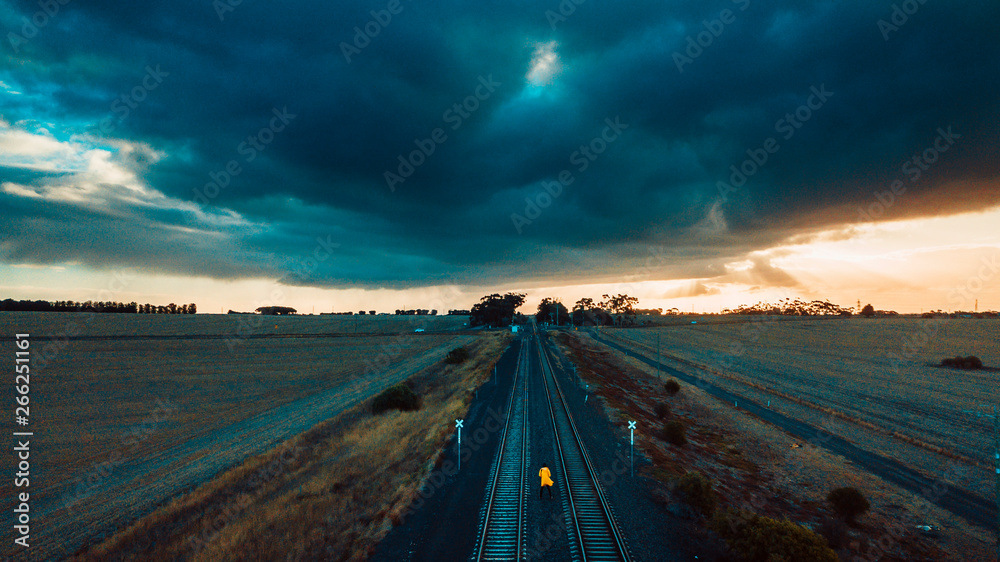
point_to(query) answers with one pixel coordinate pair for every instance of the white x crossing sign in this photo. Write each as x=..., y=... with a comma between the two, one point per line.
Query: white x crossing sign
x=631, y=436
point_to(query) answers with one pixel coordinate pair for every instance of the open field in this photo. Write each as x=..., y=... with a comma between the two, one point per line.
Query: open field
x=878, y=371
x=123, y=425
x=758, y=467
x=329, y=493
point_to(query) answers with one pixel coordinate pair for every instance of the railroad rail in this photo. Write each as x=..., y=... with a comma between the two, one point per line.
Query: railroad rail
x=501, y=535
x=594, y=529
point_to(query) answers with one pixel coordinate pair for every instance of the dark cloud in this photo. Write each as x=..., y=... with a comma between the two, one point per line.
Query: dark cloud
x=654, y=186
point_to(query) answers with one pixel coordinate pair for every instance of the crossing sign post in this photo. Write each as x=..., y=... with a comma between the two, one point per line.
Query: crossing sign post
x=631, y=445
x=458, y=426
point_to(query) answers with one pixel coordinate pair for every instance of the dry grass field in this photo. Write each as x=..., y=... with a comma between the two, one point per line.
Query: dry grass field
x=758, y=467
x=123, y=425
x=880, y=371
x=330, y=493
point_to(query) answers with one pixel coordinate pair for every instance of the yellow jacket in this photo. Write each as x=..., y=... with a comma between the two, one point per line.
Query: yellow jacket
x=546, y=475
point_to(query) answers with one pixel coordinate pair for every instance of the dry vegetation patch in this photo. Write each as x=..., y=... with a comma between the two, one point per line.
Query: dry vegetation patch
x=753, y=467
x=330, y=493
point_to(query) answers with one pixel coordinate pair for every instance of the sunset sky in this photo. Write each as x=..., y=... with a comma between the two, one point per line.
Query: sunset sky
x=379, y=155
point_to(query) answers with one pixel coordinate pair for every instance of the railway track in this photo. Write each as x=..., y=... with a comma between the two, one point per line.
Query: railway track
x=501, y=535
x=594, y=530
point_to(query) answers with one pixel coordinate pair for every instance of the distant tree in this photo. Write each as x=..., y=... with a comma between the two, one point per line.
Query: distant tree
x=171, y=308
x=868, y=311
x=275, y=310
x=620, y=306
x=552, y=311
x=192, y=308
x=581, y=311
x=495, y=310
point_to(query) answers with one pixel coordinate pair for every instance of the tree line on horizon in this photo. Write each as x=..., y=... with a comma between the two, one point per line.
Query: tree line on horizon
x=111, y=307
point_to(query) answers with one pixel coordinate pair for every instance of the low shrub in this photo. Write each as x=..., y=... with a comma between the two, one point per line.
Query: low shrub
x=848, y=502
x=399, y=397
x=672, y=387
x=959, y=362
x=456, y=356
x=673, y=433
x=762, y=539
x=695, y=489
x=662, y=410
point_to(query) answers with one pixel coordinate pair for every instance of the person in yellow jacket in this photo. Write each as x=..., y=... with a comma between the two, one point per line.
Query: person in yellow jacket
x=547, y=482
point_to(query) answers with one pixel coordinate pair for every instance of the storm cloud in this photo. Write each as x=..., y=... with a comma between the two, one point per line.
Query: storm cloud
x=429, y=143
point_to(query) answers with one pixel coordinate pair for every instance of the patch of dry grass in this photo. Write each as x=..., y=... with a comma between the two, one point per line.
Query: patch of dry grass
x=753, y=466
x=331, y=493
